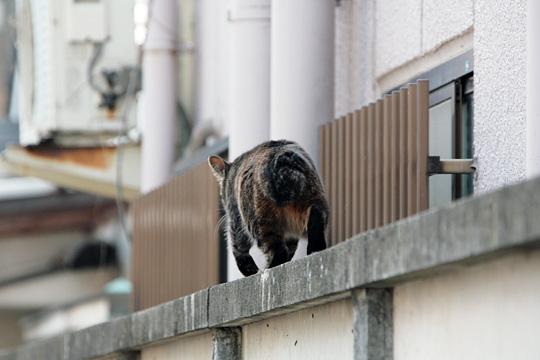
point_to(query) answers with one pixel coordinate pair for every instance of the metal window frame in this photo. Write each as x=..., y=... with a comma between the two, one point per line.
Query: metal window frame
x=451, y=80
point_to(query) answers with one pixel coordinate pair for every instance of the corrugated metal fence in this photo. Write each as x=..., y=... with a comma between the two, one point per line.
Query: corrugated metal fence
x=175, y=238
x=374, y=162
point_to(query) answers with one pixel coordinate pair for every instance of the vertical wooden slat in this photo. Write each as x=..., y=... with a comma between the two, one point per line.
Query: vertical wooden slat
x=328, y=171
x=348, y=199
x=387, y=165
x=371, y=167
x=403, y=153
x=342, y=180
x=322, y=152
x=412, y=152
x=423, y=134
x=175, y=243
x=356, y=172
x=364, y=128
x=334, y=184
x=379, y=124
x=394, y=128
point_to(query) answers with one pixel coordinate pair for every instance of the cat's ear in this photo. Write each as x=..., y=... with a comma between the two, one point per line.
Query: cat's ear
x=219, y=166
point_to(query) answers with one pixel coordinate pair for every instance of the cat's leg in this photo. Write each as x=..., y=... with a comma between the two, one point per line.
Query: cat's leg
x=316, y=230
x=292, y=245
x=273, y=246
x=241, y=243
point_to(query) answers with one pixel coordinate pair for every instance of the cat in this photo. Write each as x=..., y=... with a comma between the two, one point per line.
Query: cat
x=272, y=196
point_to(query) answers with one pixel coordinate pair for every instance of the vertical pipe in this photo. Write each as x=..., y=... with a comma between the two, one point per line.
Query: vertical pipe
x=533, y=89
x=248, y=109
x=302, y=60
x=248, y=84
x=160, y=95
x=422, y=101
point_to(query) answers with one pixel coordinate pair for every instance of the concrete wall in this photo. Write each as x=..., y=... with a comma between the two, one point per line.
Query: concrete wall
x=196, y=347
x=488, y=311
x=321, y=332
x=460, y=282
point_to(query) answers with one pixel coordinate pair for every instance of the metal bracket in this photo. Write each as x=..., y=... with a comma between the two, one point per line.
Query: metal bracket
x=449, y=166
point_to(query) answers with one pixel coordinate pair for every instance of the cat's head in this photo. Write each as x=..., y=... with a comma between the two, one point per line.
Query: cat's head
x=220, y=168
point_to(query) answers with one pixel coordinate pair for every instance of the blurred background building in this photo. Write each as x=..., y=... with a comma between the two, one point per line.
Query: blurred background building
x=109, y=108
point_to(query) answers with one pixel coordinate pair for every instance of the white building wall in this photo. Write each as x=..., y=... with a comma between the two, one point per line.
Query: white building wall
x=488, y=311
x=381, y=44
x=414, y=36
x=500, y=92
x=195, y=347
x=321, y=332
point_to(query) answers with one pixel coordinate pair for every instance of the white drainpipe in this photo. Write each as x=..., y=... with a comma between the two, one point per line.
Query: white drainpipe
x=533, y=89
x=302, y=90
x=160, y=94
x=248, y=83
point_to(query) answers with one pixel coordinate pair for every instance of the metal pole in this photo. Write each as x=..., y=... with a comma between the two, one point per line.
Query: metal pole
x=533, y=89
x=302, y=83
x=160, y=94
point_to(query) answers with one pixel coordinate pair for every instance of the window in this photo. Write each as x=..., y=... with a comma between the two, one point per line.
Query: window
x=450, y=125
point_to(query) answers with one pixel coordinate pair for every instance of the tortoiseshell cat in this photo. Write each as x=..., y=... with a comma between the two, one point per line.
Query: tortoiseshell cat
x=272, y=196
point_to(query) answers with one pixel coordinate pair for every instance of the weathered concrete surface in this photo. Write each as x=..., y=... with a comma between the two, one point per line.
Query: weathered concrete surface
x=227, y=344
x=171, y=319
x=305, y=280
x=50, y=349
x=373, y=324
x=464, y=232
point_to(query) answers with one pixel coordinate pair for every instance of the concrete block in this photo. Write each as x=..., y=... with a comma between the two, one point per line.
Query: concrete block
x=373, y=324
x=227, y=344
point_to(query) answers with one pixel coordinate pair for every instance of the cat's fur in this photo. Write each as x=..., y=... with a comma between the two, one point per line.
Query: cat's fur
x=272, y=196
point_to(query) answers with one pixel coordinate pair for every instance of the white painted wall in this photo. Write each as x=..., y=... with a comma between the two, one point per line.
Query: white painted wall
x=500, y=92
x=488, y=311
x=381, y=44
x=195, y=347
x=413, y=36
x=321, y=332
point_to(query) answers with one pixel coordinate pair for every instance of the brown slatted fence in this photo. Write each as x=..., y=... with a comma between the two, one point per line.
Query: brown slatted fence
x=374, y=162
x=175, y=238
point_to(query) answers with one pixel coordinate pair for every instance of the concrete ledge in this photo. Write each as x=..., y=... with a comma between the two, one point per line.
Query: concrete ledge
x=465, y=232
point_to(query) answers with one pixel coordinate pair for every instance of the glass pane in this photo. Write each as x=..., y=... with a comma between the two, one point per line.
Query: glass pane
x=440, y=144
